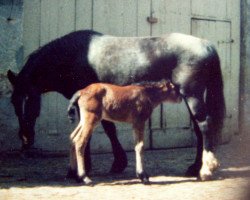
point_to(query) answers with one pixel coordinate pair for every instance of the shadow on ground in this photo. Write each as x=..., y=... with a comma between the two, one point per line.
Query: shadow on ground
x=46, y=169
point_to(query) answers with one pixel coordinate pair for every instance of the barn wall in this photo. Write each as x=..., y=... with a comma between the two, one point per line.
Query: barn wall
x=44, y=20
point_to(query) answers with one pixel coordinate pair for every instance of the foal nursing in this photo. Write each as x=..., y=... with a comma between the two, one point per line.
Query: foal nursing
x=132, y=104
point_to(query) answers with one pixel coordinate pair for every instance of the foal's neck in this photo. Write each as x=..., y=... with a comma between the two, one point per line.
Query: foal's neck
x=155, y=95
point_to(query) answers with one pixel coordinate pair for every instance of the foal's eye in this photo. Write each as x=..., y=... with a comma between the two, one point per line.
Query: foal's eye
x=164, y=89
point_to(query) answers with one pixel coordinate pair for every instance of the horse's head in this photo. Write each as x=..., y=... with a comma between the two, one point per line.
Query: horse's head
x=19, y=100
x=18, y=94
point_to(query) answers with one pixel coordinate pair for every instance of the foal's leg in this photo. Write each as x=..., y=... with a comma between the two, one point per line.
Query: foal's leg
x=139, y=151
x=209, y=161
x=87, y=149
x=120, y=158
x=72, y=171
x=88, y=122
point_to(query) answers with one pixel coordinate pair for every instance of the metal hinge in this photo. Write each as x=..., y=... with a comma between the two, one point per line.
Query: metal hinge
x=225, y=41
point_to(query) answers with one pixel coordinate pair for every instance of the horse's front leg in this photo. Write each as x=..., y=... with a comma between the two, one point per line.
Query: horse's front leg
x=120, y=158
x=205, y=162
x=139, y=151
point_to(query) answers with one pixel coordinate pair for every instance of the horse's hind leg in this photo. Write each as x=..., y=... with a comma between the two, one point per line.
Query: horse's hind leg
x=120, y=158
x=204, y=169
x=139, y=151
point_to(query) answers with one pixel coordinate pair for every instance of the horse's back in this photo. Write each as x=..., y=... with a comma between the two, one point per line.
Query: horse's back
x=124, y=60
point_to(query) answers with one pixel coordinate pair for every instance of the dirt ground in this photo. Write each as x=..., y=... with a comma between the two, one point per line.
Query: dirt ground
x=43, y=176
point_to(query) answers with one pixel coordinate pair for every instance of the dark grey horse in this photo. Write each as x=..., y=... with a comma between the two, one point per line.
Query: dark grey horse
x=74, y=61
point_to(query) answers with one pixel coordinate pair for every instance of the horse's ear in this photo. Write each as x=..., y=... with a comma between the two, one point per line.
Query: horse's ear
x=12, y=76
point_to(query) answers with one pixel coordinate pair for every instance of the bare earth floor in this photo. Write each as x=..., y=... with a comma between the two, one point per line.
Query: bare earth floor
x=43, y=176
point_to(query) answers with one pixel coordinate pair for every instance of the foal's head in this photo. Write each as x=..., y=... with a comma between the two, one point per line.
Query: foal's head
x=163, y=90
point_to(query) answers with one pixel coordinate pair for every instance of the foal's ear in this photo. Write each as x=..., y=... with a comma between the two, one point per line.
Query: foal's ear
x=12, y=76
x=170, y=85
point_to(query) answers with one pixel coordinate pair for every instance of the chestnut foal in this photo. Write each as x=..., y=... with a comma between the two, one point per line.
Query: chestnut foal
x=132, y=104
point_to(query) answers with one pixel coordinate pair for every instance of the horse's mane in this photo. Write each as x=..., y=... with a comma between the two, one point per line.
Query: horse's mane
x=62, y=50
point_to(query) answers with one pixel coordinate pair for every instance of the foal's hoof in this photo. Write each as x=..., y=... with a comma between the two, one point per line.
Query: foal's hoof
x=144, y=178
x=193, y=171
x=85, y=180
x=118, y=166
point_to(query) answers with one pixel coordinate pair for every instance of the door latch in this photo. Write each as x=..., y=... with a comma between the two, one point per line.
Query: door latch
x=152, y=20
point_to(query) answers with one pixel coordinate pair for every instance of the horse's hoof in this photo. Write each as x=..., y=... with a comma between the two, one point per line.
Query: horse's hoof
x=193, y=171
x=119, y=166
x=31, y=152
x=205, y=173
x=205, y=176
x=144, y=178
x=72, y=174
x=25, y=147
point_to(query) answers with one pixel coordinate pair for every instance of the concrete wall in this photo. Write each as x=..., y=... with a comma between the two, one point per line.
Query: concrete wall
x=11, y=57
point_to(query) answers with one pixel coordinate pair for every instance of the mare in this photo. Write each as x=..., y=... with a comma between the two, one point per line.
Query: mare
x=80, y=58
x=132, y=104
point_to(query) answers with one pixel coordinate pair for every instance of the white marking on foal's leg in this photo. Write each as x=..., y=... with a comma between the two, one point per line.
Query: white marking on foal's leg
x=209, y=165
x=139, y=157
x=139, y=151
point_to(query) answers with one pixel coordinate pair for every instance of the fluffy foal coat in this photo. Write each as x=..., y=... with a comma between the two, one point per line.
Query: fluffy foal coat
x=132, y=104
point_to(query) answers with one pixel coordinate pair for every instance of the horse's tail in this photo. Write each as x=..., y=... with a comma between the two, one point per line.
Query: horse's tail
x=73, y=106
x=215, y=97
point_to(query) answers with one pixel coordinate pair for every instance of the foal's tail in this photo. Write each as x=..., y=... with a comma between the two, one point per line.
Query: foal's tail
x=215, y=97
x=73, y=106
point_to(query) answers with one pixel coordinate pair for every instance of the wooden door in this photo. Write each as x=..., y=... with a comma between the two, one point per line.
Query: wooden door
x=219, y=32
x=120, y=18
x=170, y=123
